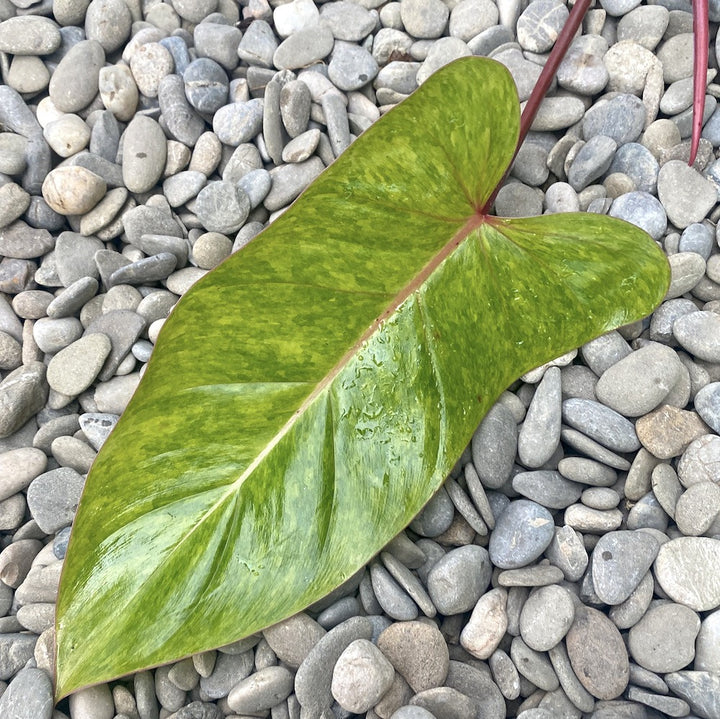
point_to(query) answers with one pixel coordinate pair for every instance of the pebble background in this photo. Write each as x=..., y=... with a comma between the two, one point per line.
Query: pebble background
x=570, y=566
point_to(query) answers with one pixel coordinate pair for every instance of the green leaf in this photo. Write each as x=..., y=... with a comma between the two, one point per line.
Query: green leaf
x=307, y=397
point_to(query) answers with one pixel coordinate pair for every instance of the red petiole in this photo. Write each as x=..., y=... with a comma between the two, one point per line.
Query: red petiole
x=700, y=30
x=562, y=44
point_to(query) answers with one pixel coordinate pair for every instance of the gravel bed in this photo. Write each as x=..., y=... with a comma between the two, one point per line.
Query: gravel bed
x=570, y=566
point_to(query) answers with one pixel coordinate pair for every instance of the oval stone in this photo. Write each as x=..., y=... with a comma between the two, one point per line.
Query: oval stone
x=144, y=154
x=522, y=533
x=459, y=579
x=638, y=383
x=597, y=654
x=73, y=190
x=699, y=334
x=688, y=570
x=546, y=617
x=73, y=369
x=29, y=35
x=75, y=81
x=487, y=624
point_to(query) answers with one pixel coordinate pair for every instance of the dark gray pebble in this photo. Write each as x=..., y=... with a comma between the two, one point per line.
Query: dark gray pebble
x=620, y=561
x=522, y=533
x=177, y=47
x=547, y=487
x=601, y=424
x=622, y=118
x=149, y=269
x=184, y=124
x=638, y=163
x=592, y=161
x=206, y=85
x=494, y=446
x=29, y=695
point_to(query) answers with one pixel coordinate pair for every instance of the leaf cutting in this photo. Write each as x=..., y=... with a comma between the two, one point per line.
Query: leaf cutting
x=308, y=397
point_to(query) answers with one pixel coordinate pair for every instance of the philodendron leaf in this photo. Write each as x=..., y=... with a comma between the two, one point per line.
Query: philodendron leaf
x=307, y=397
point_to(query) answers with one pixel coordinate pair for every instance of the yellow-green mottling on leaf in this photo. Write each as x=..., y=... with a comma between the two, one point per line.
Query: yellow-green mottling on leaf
x=307, y=397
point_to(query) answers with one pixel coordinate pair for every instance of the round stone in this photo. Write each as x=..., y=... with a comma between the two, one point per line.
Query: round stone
x=601, y=423
x=30, y=694
x=628, y=64
x=293, y=638
x=304, y=47
x=194, y=11
x=547, y=487
x=676, y=56
x=53, y=498
x=291, y=17
x=494, y=446
x=667, y=431
x=210, y=249
x=697, y=238
x=222, y=207
x=700, y=689
x=440, y=700
x=644, y=25
x=707, y=645
x=73, y=190
x=435, y=517
x=664, y=639
x=424, y=18
x=109, y=22
x=239, y=122
x=470, y=18
x=591, y=162
x=67, y=135
x=582, y=69
x=313, y=680
x=522, y=532
x=638, y=163
x=686, y=270
x=351, y=66
x=687, y=569
x=539, y=435
x=218, y=42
